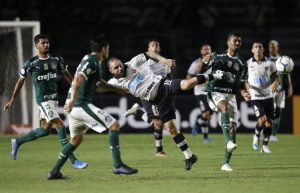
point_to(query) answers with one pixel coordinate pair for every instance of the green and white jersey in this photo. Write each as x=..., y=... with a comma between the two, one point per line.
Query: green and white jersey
x=89, y=67
x=44, y=74
x=234, y=67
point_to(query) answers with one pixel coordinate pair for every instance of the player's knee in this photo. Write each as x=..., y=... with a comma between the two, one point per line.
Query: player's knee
x=205, y=115
x=76, y=140
x=268, y=123
x=261, y=121
x=115, y=126
x=157, y=124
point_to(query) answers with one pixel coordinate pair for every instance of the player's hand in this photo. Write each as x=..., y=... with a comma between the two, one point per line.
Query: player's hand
x=205, y=59
x=170, y=62
x=68, y=107
x=7, y=106
x=275, y=86
x=218, y=75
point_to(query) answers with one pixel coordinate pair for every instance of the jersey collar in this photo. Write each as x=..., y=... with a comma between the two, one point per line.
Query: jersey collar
x=231, y=56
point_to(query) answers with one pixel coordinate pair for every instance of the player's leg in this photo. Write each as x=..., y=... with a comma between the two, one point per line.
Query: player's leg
x=34, y=134
x=205, y=116
x=180, y=141
x=62, y=137
x=259, y=113
x=269, y=114
x=228, y=154
x=279, y=102
x=158, y=136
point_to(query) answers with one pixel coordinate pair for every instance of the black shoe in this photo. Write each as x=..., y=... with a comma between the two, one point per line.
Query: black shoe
x=57, y=176
x=124, y=169
x=189, y=162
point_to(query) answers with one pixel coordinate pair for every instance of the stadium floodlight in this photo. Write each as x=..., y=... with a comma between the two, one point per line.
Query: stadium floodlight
x=16, y=43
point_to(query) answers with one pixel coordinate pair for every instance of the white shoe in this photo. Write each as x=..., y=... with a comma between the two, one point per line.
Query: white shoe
x=265, y=149
x=273, y=138
x=255, y=142
x=230, y=147
x=226, y=168
x=132, y=110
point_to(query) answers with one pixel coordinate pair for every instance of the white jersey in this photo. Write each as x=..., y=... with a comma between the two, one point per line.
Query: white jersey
x=158, y=68
x=200, y=88
x=259, y=78
x=140, y=81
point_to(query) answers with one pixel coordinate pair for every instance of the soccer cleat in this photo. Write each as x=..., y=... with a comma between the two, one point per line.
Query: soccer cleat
x=226, y=168
x=79, y=164
x=161, y=154
x=189, y=162
x=124, y=169
x=230, y=147
x=57, y=176
x=255, y=142
x=207, y=140
x=132, y=110
x=273, y=138
x=265, y=149
x=14, y=148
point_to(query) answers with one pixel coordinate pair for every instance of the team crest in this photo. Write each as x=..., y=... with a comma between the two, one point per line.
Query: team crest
x=236, y=66
x=53, y=65
x=229, y=64
x=108, y=119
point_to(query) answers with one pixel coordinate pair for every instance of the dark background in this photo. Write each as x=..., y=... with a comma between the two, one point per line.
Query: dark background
x=180, y=25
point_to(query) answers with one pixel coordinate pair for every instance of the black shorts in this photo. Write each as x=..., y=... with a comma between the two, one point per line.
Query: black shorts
x=263, y=107
x=203, y=104
x=151, y=110
x=164, y=99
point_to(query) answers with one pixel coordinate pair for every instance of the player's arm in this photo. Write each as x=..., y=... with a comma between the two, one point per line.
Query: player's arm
x=103, y=86
x=201, y=67
x=169, y=62
x=244, y=90
x=275, y=84
x=68, y=76
x=74, y=91
x=290, y=86
x=18, y=86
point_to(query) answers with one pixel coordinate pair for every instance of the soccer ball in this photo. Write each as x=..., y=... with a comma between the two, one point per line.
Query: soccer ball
x=284, y=64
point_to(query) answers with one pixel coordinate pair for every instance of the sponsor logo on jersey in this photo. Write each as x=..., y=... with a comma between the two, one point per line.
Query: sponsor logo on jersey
x=50, y=96
x=47, y=76
x=149, y=89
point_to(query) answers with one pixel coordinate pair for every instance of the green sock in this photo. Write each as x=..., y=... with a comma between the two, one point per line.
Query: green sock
x=225, y=123
x=113, y=138
x=32, y=135
x=227, y=155
x=62, y=136
x=62, y=157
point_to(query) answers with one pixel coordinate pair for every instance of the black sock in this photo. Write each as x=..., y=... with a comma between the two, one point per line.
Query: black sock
x=267, y=132
x=158, y=136
x=258, y=130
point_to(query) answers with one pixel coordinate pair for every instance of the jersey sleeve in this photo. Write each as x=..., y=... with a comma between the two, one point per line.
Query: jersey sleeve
x=25, y=68
x=61, y=64
x=211, y=61
x=244, y=73
x=87, y=69
x=137, y=61
x=193, y=68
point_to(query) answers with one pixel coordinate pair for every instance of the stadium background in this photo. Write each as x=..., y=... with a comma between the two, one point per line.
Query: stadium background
x=180, y=25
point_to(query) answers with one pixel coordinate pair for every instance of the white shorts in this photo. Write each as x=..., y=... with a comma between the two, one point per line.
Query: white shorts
x=89, y=117
x=214, y=98
x=48, y=110
x=279, y=99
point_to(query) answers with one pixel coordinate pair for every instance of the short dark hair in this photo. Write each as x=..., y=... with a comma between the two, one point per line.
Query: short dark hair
x=152, y=40
x=234, y=33
x=37, y=38
x=98, y=42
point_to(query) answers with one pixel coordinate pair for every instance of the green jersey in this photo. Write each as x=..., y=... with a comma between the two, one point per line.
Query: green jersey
x=90, y=68
x=235, y=69
x=44, y=74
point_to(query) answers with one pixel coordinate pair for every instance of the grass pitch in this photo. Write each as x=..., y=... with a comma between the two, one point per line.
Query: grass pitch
x=253, y=171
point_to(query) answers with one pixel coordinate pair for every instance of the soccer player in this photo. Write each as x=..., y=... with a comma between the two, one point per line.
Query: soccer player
x=141, y=82
x=152, y=116
x=261, y=74
x=222, y=93
x=201, y=94
x=285, y=86
x=44, y=70
x=83, y=115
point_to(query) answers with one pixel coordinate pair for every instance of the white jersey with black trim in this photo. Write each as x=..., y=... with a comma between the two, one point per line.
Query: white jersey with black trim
x=259, y=78
x=158, y=68
x=140, y=79
x=200, y=88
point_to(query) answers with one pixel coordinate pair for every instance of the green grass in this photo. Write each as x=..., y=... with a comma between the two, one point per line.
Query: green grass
x=253, y=171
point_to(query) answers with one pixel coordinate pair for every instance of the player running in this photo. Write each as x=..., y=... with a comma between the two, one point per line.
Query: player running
x=141, y=82
x=261, y=74
x=201, y=94
x=285, y=86
x=44, y=70
x=83, y=115
x=222, y=93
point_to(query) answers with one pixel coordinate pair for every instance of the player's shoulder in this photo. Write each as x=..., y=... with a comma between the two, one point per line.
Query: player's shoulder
x=55, y=56
x=218, y=55
x=31, y=60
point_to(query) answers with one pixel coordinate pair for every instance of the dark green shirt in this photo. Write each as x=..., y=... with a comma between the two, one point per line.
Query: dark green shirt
x=234, y=67
x=44, y=75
